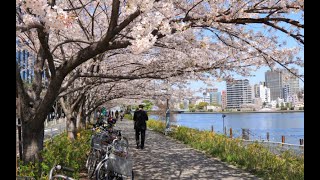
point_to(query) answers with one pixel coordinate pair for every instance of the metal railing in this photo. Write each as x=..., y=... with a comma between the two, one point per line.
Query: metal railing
x=278, y=147
x=54, y=122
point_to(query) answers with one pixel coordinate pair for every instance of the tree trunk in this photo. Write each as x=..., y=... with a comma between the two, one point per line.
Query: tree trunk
x=32, y=141
x=80, y=119
x=89, y=118
x=71, y=122
x=86, y=121
x=83, y=120
x=71, y=127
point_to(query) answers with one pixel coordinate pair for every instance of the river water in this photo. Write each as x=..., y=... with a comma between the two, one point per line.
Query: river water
x=288, y=124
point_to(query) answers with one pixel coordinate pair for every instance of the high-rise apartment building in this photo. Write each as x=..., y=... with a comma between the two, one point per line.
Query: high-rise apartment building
x=238, y=92
x=223, y=99
x=292, y=82
x=276, y=81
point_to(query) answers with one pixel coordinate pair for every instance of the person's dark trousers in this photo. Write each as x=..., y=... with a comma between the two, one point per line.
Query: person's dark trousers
x=143, y=135
x=137, y=137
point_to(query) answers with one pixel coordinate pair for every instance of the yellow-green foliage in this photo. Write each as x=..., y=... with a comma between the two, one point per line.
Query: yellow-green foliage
x=156, y=125
x=128, y=116
x=254, y=157
x=60, y=151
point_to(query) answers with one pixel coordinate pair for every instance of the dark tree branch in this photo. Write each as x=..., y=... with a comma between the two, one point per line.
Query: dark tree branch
x=23, y=28
x=192, y=8
x=69, y=82
x=24, y=97
x=114, y=17
x=68, y=41
x=85, y=31
x=46, y=54
x=285, y=31
x=76, y=8
x=116, y=77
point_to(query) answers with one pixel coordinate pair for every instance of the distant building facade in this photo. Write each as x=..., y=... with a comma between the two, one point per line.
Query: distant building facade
x=262, y=92
x=281, y=83
x=238, y=92
x=224, y=99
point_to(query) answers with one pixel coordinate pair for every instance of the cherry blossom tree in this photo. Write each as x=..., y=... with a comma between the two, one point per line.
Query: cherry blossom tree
x=147, y=39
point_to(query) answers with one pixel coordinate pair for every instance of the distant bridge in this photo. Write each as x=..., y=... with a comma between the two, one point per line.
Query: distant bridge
x=171, y=111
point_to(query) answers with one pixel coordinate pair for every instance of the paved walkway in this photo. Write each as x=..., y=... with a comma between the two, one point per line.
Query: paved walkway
x=166, y=158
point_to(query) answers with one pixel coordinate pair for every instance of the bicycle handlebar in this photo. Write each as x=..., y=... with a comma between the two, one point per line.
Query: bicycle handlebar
x=59, y=167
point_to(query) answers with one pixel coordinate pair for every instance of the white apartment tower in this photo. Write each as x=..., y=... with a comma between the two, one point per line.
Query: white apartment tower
x=262, y=92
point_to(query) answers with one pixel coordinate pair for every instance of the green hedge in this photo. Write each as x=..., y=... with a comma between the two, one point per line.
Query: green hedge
x=254, y=157
x=60, y=150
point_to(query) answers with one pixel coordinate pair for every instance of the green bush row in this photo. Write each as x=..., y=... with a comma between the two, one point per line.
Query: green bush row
x=60, y=150
x=254, y=157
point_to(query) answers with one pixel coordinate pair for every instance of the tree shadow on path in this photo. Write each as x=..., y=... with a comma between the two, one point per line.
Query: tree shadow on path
x=166, y=158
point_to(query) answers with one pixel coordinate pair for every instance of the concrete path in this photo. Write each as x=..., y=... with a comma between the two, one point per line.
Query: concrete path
x=166, y=158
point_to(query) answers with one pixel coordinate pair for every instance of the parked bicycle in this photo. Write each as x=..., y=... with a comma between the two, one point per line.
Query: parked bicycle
x=99, y=143
x=116, y=162
x=102, y=137
x=59, y=168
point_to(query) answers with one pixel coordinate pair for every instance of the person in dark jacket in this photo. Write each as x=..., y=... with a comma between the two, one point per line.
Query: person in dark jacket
x=116, y=114
x=140, y=117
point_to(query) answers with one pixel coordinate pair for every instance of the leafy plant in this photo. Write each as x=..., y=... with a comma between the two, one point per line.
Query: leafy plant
x=147, y=105
x=128, y=116
x=59, y=150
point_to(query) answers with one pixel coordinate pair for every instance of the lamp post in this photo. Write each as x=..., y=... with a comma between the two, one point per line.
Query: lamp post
x=223, y=116
x=167, y=117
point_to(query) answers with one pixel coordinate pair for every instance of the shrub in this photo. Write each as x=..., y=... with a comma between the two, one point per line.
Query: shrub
x=60, y=150
x=156, y=125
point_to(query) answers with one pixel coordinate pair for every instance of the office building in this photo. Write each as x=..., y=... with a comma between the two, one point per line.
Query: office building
x=276, y=81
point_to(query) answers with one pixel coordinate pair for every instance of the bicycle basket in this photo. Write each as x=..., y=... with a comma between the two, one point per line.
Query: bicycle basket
x=97, y=141
x=120, y=147
x=120, y=165
x=119, y=160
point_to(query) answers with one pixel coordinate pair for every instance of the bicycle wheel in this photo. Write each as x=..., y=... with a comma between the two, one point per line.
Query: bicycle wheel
x=92, y=163
x=103, y=174
x=89, y=158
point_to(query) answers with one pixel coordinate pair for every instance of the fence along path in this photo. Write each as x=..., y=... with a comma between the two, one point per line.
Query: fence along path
x=274, y=147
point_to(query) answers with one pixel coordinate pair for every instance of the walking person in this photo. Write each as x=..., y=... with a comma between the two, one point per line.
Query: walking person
x=140, y=117
x=116, y=114
x=121, y=115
